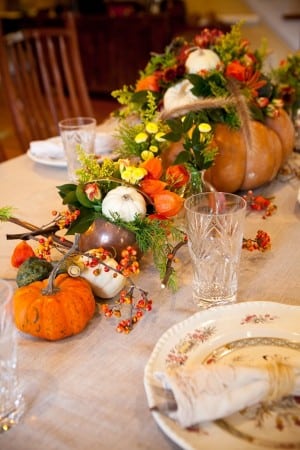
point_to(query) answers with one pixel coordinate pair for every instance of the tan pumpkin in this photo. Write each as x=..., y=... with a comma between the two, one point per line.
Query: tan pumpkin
x=57, y=315
x=237, y=167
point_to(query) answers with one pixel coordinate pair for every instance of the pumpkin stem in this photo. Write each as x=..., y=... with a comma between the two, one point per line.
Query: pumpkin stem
x=51, y=288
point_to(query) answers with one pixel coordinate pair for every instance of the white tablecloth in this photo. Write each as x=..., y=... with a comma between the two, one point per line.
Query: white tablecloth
x=86, y=392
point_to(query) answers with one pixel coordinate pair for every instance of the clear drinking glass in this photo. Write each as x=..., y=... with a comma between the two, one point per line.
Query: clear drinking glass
x=75, y=132
x=11, y=398
x=215, y=223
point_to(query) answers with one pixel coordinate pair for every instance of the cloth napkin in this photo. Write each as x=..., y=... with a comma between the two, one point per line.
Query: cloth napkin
x=47, y=148
x=214, y=391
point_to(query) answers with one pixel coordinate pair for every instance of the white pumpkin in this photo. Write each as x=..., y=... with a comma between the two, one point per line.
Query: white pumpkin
x=104, y=284
x=202, y=59
x=125, y=201
x=179, y=95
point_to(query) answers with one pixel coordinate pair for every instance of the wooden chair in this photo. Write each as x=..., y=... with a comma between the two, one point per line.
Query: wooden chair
x=2, y=153
x=42, y=76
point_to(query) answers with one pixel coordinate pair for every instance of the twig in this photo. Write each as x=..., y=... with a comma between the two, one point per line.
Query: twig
x=35, y=231
x=169, y=268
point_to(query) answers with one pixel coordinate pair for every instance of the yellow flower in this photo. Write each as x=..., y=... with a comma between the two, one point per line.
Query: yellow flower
x=204, y=127
x=159, y=136
x=153, y=148
x=141, y=137
x=133, y=174
x=151, y=127
x=146, y=154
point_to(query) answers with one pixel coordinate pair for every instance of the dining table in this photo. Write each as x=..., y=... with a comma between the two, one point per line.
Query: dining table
x=87, y=392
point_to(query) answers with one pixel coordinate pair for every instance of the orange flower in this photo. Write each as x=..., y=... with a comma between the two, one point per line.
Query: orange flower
x=177, y=176
x=236, y=70
x=153, y=167
x=21, y=252
x=152, y=187
x=167, y=203
x=149, y=83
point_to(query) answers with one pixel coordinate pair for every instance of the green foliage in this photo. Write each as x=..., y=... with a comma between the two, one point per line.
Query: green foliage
x=229, y=46
x=5, y=213
x=198, y=152
x=127, y=133
x=91, y=169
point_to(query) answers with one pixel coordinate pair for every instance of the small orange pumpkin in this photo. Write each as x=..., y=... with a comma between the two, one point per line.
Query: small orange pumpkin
x=56, y=315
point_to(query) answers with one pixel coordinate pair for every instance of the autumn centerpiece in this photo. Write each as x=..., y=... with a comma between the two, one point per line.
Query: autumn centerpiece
x=216, y=79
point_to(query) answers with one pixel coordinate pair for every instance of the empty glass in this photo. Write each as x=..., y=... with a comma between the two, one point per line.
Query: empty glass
x=77, y=132
x=11, y=399
x=214, y=223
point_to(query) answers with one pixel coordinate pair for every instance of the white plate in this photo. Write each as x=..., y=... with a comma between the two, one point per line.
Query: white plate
x=251, y=331
x=46, y=160
x=61, y=162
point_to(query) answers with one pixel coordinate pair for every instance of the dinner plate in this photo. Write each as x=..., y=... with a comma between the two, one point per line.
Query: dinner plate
x=61, y=162
x=47, y=160
x=250, y=331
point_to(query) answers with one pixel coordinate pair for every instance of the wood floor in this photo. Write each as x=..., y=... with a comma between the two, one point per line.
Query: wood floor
x=9, y=145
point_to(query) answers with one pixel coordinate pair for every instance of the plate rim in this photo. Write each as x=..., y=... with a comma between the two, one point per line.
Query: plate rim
x=177, y=328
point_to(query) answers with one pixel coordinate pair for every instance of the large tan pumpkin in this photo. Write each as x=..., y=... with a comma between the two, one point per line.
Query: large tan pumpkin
x=239, y=166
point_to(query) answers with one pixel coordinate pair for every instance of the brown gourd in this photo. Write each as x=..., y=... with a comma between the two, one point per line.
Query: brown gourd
x=54, y=315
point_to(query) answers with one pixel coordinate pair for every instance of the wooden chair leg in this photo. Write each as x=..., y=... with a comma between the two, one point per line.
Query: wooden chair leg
x=2, y=152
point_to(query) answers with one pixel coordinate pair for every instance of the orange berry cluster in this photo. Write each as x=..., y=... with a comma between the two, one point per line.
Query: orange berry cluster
x=128, y=263
x=64, y=219
x=260, y=203
x=143, y=304
x=262, y=242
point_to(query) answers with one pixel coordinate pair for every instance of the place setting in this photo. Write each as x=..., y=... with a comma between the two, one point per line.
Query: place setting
x=51, y=151
x=229, y=375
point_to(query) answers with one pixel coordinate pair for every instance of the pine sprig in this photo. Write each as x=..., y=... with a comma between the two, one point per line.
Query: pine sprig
x=5, y=213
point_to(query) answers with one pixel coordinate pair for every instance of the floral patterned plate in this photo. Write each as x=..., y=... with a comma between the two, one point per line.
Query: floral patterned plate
x=241, y=332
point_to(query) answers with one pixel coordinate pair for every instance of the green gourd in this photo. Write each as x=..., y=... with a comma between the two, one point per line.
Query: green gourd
x=33, y=269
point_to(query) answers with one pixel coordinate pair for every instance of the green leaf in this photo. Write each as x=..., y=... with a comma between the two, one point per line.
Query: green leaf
x=172, y=136
x=71, y=199
x=187, y=122
x=175, y=125
x=196, y=137
x=82, y=198
x=66, y=188
x=183, y=157
x=83, y=222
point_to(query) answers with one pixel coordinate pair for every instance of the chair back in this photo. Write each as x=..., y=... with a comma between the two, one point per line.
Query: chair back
x=42, y=76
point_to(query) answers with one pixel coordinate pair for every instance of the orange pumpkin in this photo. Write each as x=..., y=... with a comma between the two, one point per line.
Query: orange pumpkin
x=238, y=167
x=54, y=316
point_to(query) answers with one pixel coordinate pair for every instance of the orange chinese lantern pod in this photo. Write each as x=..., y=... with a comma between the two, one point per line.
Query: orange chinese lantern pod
x=177, y=176
x=149, y=83
x=154, y=168
x=167, y=203
x=21, y=252
x=152, y=187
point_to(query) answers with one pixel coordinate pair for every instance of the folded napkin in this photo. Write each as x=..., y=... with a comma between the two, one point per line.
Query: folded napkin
x=48, y=148
x=210, y=392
